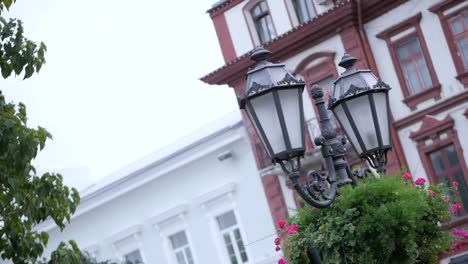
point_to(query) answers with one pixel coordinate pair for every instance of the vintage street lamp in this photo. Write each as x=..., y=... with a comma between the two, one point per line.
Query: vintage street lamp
x=360, y=104
x=273, y=103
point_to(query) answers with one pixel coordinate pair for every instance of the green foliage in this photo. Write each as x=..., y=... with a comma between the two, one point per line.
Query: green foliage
x=17, y=53
x=385, y=220
x=71, y=254
x=26, y=199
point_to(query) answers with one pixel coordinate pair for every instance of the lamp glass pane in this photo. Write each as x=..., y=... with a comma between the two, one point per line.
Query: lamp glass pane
x=354, y=79
x=289, y=99
x=360, y=110
x=277, y=74
x=252, y=120
x=345, y=124
x=264, y=108
x=380, y=100
x=369, y=78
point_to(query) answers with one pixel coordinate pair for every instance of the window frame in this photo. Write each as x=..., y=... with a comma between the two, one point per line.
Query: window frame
x=440, y=10
x=251, y=24
x=439, y=134
x=293, y=6
x=230, y=231
x=182, y=248
x=404, y=31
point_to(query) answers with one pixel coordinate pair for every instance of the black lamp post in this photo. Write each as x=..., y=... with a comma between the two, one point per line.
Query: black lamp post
x=273, y=103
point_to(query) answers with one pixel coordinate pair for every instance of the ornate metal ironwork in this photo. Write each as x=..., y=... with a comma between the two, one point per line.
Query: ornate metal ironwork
x=320, y=188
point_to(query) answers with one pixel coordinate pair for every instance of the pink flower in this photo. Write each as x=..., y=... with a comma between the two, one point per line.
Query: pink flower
x=282, y=261
x=292, y=229
x=456, y=245
x=281, y=224
x=277, y=241
x=460, y=233
x=455, y=184
x=314, y=209
x=406, y=176
x=420, y=181
x=432, y=193
x=454, y=208
x=277, y=248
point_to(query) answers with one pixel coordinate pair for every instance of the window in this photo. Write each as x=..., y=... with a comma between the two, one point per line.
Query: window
x=232, y=238
x=459, y=30
x=454, y=20
x=262, y=21
x=445, y=165
x=412, y=62
x=181, y=248
x=414, y=67
x=442, y=157
x=304, y=10
x=133, y=257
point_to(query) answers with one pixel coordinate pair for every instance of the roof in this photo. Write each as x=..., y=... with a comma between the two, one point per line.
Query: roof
x=218, y=5
x=343, y=14
x=275, y=40
x=182, y=145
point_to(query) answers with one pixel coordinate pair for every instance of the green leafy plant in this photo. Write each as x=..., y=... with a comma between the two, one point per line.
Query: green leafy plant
x=26, y=199
x=384, y=220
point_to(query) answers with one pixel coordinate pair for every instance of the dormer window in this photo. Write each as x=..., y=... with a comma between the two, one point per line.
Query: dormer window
x=263, y=23
x=304, y=10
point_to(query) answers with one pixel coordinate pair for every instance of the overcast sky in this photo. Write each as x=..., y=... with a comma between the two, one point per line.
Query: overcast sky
x=121, y=78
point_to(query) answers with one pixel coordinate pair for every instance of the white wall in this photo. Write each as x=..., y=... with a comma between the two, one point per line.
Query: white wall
x=436, y=44
x=238, y=29
x=185, y=191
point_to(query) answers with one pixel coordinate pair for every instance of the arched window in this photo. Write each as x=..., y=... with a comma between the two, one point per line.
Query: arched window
x=262, y=20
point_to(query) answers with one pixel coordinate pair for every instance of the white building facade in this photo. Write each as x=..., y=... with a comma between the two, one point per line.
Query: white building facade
x=418, y=47
x=198, y=201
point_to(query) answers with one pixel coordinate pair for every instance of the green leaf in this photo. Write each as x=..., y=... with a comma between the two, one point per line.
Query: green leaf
x=29, y=71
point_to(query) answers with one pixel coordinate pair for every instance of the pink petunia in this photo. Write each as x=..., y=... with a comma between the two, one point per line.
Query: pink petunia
x=455, y=184
x=277, y=241
x=277, y=248
x=281, y=224
x=420, y=181
x=454, y=208
x=432, y=193
x=292, y=229
x=406, y=176
x=282, y=261
x=460, y=233
x=456, y=245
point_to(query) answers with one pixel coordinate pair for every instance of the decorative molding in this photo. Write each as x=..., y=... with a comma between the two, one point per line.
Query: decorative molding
x=413, y=100
x=400, y=27
x=431, y=126
x=432, y=110
x=169, y=216
x=210, y=198
x=327, y=56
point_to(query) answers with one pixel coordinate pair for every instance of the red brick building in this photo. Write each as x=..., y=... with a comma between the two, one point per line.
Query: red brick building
x=418, y=47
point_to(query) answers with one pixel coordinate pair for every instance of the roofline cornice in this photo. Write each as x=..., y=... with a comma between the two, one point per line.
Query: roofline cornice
x=341, y=16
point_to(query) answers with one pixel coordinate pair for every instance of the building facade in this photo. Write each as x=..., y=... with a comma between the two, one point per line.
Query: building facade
x=418, y=47
x=198, y=201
